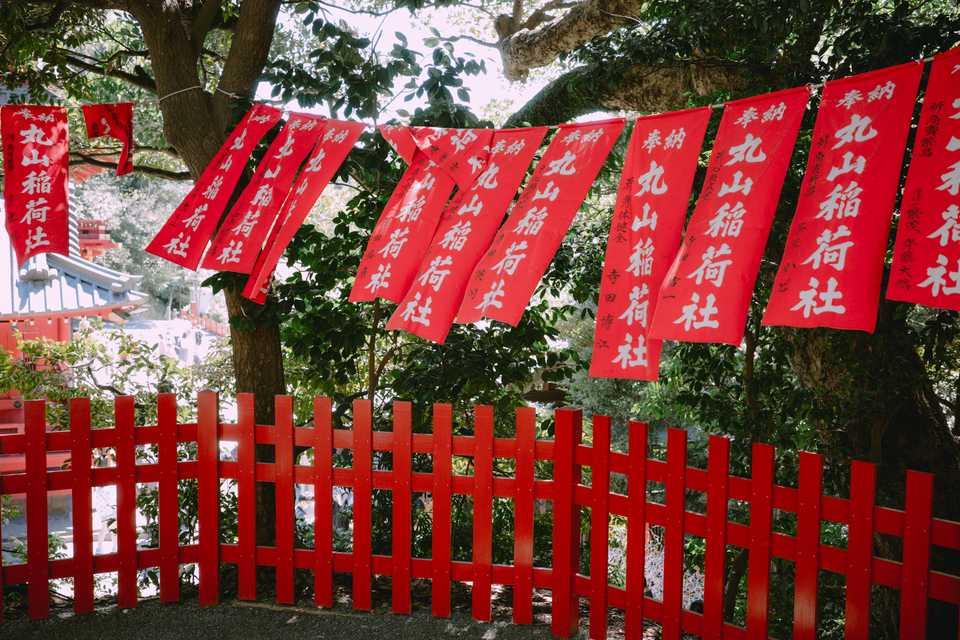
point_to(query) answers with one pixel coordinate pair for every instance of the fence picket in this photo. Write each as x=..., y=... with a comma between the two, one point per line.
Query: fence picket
x=285, y=516
x=168, y=498
x=323, y=502
x=440, y=541
x=675, y=495
x=35, y=453
x=714, y=566
x=208, y=496
x=761, y=526
x=362, y=503
x=126, y=451
x=482, y=512
x=918, y=511
x=566, y=523
x=400, y=527
x=523, y=516
x=599, y=526
x=807, y=566
x=863, y=487
x=246, y=498
x=81, y=461
x=636, y=529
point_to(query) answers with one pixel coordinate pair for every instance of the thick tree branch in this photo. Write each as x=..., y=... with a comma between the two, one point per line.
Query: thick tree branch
x=141, y=80
x=78, y=158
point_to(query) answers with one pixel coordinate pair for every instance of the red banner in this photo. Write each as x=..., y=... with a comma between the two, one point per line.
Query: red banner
x=35, y=162
x=185, y=234
x=706, y=293
x=926, y=257
x=238, y=243
x=408, y=222
x=468, y=225
x=116, y=121
x=459, y=152
x=832, y=267
x=334, y=146
x=507, y=275
x=644, y=237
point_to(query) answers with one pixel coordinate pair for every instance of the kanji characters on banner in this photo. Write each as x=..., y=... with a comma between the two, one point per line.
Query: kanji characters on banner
x=832, y=266
x=644, y=237
x=706, y=293
x=468, y=225
x=926, y=257
x=335, y=144
x=114, y=121
x=35, y=161
x=238, y=243
x=507, y=275
x=184, y=236
x=408, y=222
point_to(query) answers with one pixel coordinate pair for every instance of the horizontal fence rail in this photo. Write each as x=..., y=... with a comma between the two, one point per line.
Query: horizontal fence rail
x=862, y=569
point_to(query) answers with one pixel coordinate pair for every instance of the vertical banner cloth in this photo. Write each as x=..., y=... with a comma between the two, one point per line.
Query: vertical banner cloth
x=115, y=121
x=644, y=237
x=407, y=224
x=334, y=146
x=184, y=236
x=35, y=162
x=238, y=243
x=926, y=257
x=706, y=293
x=467, y=226
x=508, y=273
x=832, y=266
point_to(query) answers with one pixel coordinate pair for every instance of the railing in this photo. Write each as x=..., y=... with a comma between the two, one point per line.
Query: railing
x=912, y=577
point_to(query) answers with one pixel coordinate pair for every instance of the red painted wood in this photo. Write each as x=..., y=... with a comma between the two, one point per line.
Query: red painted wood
x=246, y=498
x=35, y=450
x=208, y=498
x=482, y=512
x=566, y=523
x=323, y=503
x=863, y=487
x=599, y=526
x=362, y=500
x=440, y=541
x=126, y=502
x=636, y=529
x=761, y=526
x=914, y=587
x=523, y=516
x=675, y=496
x=284, y=498
x=714, y=565
x=81, y=461
x=806, y=573
x=402, y=494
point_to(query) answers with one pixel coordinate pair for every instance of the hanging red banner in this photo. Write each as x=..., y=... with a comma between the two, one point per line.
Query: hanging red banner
x=115, y=121
x=335, y=144
x=184, y=236
x=706, y=293
x=644, y=237
x=926, y=257
x=832, y=266
x=507, y=275
x=408, y=222
x=238, y=243
x=459, y=152
x=35, y=163
x=401, y=139
x=467, y=226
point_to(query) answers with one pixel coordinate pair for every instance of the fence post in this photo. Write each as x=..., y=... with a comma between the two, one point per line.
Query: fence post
x=362, y=496
x=323, y=502
x=636, y=529
x=566, y=523
x=675, y=496
x=168, y=498
x=523, y=515
x=761, y=525
x=863, y=487
x=599, y=526
x=440, y=543
x=246, y=498
x=124, y=412
x=208, y=496
x=401, y=532
x=283, y=497
x=918, y=511
x=807, y=565
x=81, y=464
x=38, y=569
x=714, y=569
x=482, y=511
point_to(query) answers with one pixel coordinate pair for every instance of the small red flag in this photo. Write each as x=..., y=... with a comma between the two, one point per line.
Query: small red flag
x=116, y=121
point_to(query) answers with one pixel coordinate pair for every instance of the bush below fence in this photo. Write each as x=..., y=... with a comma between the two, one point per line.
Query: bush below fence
x=862, y=570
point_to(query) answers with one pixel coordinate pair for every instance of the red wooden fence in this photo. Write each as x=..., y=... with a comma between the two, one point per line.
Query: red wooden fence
x=912, y=576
